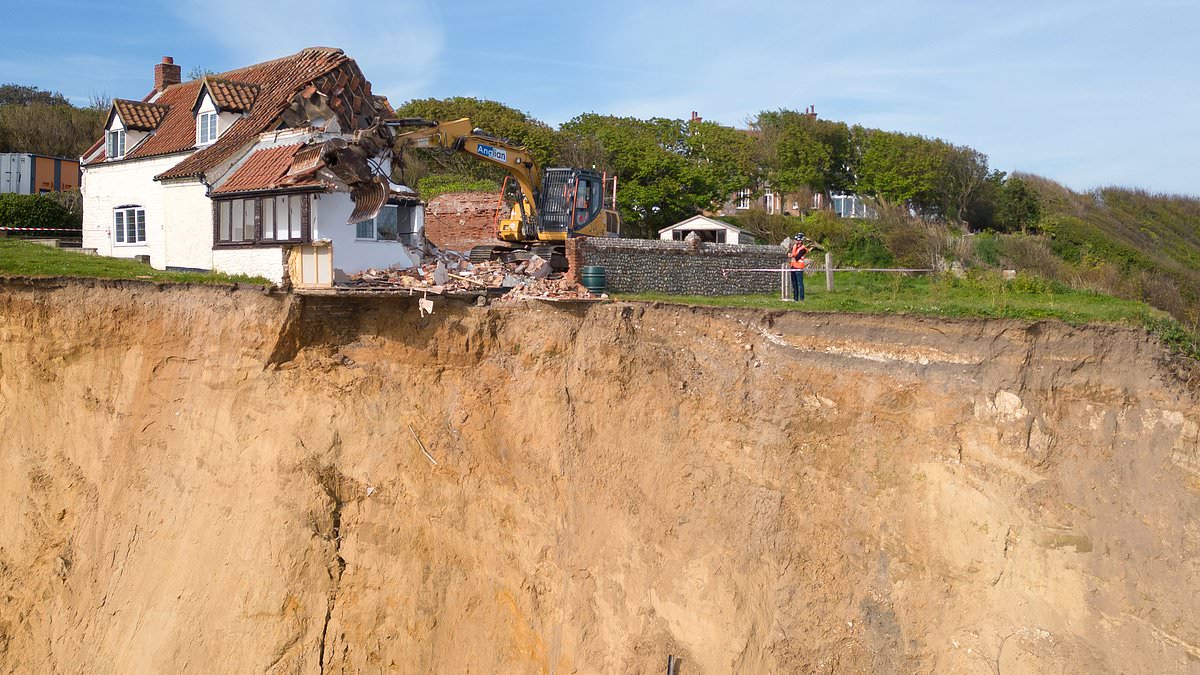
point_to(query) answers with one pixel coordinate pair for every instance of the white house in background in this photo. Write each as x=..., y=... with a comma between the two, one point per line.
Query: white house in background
x=708, y=229
x=249, y=171
x=852, y=206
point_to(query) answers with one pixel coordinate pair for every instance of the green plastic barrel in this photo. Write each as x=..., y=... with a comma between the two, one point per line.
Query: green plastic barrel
x=594, y=279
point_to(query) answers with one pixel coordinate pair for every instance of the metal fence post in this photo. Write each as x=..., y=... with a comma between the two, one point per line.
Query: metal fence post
x=829, y=271
x=783, y=282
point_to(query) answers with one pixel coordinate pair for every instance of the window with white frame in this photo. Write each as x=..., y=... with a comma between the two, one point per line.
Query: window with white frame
x=116, y=144
x=261, y=220
x=392, y=223
x=129, y=225
x=743, y=199
x=206, y=128
x=770, y=202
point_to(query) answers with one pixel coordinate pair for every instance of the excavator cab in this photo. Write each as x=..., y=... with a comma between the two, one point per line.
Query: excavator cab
x=570, y=204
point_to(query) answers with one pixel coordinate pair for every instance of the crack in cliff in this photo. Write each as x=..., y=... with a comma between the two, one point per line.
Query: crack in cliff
x=335, y=578
x=330, y=480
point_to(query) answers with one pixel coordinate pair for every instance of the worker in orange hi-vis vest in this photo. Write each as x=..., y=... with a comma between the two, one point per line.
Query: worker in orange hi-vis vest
x=798, y=263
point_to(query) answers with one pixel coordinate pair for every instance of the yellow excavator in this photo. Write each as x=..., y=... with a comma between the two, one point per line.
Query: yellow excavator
x=552, y=206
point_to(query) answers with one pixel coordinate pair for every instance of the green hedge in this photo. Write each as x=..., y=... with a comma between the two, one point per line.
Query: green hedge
x=441, y=183
x=36, y=211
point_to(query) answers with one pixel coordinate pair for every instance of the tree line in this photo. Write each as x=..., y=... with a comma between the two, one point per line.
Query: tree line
x=670, y=169
x=45, y=123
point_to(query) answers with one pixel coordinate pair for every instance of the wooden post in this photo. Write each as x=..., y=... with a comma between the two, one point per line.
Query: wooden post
x=783, y=282
x=829, y=271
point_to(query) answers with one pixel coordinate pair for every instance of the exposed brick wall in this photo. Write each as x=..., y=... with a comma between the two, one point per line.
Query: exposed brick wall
x=459, y=221
x=677, y=267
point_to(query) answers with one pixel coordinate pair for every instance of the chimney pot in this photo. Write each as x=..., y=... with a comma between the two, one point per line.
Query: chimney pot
x=168, y=59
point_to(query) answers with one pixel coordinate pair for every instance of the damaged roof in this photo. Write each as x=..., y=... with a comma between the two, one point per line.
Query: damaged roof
x=267, y=170
x=315, y=85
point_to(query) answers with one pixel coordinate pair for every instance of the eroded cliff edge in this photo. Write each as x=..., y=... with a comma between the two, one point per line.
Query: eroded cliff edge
x=218, y=480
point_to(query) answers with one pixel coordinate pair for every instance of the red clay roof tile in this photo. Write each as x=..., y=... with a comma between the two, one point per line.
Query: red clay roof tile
x=231, y=95
x=138, y=115
x=277, y=82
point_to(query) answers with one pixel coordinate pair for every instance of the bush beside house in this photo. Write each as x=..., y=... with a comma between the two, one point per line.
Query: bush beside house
x=37, y=211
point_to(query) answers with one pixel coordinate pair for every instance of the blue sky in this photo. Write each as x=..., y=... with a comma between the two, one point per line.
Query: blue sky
x=1090, y=93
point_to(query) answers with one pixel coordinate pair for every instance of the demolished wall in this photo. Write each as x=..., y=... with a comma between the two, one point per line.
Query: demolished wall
x=228, y=480
x=459, y=221
x=677, y=267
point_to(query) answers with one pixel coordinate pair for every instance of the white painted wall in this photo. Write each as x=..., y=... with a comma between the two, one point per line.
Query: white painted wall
x=352, y=255
x=189, y=213
x=268, y=263
x=732, y=235
x=106, y=186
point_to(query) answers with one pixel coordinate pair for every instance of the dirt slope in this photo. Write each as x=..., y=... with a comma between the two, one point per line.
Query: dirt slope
x=202, y=480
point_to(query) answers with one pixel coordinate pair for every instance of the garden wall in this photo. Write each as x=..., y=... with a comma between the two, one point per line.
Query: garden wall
x=677, y=267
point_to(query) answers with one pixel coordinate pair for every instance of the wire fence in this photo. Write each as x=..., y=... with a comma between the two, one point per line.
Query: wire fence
x=784, y=271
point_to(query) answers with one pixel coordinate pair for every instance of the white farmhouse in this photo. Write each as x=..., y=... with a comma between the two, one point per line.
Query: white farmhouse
x=255, y=171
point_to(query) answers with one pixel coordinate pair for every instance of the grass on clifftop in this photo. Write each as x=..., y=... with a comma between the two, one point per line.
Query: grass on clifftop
x=27, y=259
x=983, y=295
x=979, y=295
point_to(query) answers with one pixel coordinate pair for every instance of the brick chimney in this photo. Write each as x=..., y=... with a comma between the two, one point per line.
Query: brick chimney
x=166, y=74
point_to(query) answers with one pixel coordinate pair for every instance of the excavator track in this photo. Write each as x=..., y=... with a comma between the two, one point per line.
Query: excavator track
x=554, y=253
x=481, y=254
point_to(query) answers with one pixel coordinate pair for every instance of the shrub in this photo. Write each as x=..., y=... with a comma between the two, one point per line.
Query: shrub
x=1032, y=284
x=1177, y=337
x=827, y=228
x=1161, y=291
x=1029, y=253
x=986, y=248
x=769, y=228
x=36, y=211
x=441, y=183
x=864, y=247
x=916, y=243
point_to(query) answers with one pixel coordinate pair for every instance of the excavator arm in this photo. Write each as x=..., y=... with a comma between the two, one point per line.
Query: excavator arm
x=458, y=135
x=554, y=205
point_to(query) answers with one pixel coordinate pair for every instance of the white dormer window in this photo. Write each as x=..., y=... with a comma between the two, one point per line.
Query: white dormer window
x=206, y=128
x=116, y=144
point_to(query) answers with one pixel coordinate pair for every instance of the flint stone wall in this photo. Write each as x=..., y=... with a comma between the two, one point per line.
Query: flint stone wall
x=677, y=267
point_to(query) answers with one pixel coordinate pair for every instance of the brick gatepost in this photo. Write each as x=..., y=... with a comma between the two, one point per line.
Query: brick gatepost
x=575, y=259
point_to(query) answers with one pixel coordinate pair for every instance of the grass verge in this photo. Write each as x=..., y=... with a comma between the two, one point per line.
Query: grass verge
x=27, y=259
x=976, y=296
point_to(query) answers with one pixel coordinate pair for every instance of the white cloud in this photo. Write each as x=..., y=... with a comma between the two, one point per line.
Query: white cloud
x=398, y=45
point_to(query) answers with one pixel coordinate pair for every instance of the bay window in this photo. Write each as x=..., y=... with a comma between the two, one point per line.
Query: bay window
x=262, y=220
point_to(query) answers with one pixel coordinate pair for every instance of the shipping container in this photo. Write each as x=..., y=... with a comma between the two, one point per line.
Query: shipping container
x=25, y=173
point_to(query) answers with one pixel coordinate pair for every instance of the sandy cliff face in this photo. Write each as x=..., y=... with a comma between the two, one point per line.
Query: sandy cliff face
x=205, y=480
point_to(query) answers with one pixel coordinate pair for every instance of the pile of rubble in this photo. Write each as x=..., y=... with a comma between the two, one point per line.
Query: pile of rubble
x=447, y=272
